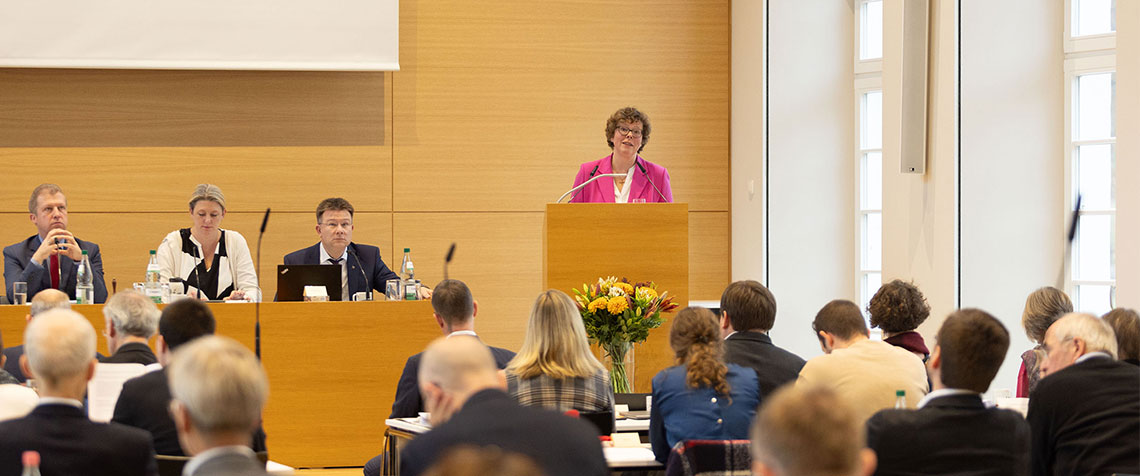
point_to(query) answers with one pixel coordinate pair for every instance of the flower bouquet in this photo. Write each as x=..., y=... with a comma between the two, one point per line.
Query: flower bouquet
x=618, y=314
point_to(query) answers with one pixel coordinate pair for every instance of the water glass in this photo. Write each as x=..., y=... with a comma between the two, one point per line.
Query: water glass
x=392, y=290
x=19, y=293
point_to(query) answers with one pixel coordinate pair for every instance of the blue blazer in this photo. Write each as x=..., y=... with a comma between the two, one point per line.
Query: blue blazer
x=17, y=258
x=70, y=443
x=682, y=413
x=375, y=275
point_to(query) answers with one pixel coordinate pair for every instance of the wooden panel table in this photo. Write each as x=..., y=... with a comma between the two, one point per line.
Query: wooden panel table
x=332, y=369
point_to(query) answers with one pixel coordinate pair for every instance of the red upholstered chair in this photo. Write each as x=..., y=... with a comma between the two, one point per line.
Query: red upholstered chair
x=710, y=458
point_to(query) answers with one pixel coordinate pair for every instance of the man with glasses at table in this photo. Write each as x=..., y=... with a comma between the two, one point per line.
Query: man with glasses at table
x=361, y=268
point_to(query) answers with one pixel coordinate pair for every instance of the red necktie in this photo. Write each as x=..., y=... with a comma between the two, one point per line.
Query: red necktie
x=53, y=265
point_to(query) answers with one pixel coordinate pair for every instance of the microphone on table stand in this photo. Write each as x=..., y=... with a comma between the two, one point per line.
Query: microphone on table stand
x=451, y=253
x=642, y=168
x=257, y=303
x=592, y=172
x=360, y=266
x=1069, y=243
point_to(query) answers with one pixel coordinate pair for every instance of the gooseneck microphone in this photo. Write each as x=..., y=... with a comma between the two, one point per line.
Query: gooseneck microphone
x=579, y=187
x=360, y=266
x=643, y=172
x=257, y=302
x=592, y=172
x=451, y=253
x=1067, y=260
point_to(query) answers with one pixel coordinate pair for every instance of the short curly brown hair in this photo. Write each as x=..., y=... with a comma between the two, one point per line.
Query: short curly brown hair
x=628, y=115
x=898, y=306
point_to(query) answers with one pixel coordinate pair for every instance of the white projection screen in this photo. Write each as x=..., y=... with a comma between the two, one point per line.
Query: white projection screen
x=320, y=35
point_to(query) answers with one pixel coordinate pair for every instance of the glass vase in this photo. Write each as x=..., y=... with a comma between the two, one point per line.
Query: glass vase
x=619, y=357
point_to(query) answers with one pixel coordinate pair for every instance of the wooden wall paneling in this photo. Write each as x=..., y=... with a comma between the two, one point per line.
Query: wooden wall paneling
x=709, y=255
x=154, y=179
x=108, y=108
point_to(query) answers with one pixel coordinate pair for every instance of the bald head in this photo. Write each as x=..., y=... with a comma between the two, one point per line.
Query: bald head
x=458, y=364
x=47, y=300
x=60, y=345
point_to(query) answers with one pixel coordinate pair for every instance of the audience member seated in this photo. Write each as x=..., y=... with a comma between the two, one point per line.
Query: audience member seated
x=145, y=400
x=1043, y=307
x=15, y=400
x=748, y=312
x=953, y=432
x=808, y=431
x=701, y=398
x=1125, y=324
x=131, y=319
x=464, y=393
x=59, y=350
x=898, y=308
x=219, y=390
x=1084, y=415
x=864, y=372
x=43, y=301
x=554, y=368
x=475, y=461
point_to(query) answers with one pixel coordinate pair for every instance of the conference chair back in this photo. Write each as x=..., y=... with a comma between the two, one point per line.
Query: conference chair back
x=710, y=457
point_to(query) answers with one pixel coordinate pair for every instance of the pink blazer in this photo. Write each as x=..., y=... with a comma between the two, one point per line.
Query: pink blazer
x=602, y=190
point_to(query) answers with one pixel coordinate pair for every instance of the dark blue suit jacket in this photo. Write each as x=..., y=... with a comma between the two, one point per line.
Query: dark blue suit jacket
x=408, y=401
x=70, y=443
x=17, y=268
x=375, y=275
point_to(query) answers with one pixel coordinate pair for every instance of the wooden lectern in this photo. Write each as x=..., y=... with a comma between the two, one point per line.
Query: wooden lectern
x=640, y=241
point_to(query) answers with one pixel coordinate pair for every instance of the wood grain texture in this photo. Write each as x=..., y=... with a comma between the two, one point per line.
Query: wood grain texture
x=114, y=108
x=709, y=255
x=160, y=179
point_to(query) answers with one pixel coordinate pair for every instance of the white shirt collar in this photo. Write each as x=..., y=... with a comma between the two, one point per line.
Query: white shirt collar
x=463, y=333
x=61, y=401
x=1091, y=355
x=325, y=256
x=621, y=194
x=204, y=456
x=945, y=392
x=730, y=335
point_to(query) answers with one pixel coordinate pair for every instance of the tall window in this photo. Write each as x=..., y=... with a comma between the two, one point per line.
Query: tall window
x=869, y=147
x=1090, y=59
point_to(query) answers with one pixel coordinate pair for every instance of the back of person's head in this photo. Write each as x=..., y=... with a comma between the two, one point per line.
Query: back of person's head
x=898, y=306
x=47, y=300
x=132, y=313
x=749, y=306
x=334, y=204
x=457, y=364
x=555, y=344
x=696, y=341
x=480, y=461
x=840, y=318
x=59, y=344
x=220, y=384
x=185, y=320
x=1042, y=308
x=808, y=430
x=1125, y=324
x=972, y=344
x=451, y=299
x=1094, y=331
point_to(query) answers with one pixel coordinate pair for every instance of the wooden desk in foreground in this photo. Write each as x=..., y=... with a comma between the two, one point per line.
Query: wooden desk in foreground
x=332, y=369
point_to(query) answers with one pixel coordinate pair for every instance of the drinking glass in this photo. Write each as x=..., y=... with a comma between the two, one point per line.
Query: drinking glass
x=19, y=293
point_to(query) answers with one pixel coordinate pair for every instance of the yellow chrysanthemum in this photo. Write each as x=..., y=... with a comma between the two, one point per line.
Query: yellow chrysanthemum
x=647, y=294
x=618, y=305
x=626, y=287
x=599, y=303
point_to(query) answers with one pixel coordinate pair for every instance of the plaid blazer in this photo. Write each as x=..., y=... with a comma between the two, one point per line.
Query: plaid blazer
x=591, y=394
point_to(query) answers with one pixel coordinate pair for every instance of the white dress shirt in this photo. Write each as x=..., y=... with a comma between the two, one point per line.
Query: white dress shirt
x=621, y=194
x=325, y=257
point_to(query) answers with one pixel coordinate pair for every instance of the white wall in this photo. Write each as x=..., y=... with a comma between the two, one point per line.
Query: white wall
x=747, y=140
x=1127, y=154
x=1012, y=164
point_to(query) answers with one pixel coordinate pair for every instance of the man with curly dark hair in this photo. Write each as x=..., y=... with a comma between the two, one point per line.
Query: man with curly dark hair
x=898, y=308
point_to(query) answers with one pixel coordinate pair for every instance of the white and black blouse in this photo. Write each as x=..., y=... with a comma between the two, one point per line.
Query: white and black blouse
x=232, y=269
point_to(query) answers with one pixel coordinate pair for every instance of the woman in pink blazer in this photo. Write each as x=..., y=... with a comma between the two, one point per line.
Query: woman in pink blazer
x=627, y=132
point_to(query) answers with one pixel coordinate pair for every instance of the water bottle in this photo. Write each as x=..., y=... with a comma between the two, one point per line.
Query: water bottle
x=84, y=279
x=408, y=273
x=151, y=286
x=31, y=463
x=900, y=399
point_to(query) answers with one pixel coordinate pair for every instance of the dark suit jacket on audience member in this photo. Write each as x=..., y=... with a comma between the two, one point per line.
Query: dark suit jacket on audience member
x=375, y=270
x=69, y=443
x=562, y=446
x=131, y=353
x=230, y=464
x=408, y=402
x=145, y=403
x=17, y=267
x=773, y=365
x=1085, y=419
x=954, y=434
x=12, y=365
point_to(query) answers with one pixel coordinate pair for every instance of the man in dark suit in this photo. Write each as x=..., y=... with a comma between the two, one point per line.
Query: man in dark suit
x=43, y=301
x=49, y=258
x=131, y=319
x=219, y=390
x=465, y=395
x=1084, y=414
x=60, y=345
x=145, y=400
x=361, y=268
x=748, y=312
x=952, y=432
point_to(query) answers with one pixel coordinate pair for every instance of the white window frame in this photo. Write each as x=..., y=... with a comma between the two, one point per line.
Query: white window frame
x=868, y=78
x=874, y=65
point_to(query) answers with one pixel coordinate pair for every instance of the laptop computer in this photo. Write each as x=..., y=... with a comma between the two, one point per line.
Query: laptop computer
x=292, y=279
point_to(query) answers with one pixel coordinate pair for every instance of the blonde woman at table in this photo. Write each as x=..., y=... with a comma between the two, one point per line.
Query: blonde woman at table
x=214, y=263
x=555, y=369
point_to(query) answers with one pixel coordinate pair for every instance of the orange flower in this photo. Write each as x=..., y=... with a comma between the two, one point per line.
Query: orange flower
x=599, y=303
x=618, y=305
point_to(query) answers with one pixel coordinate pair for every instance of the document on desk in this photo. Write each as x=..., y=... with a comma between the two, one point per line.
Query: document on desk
x=104, y=388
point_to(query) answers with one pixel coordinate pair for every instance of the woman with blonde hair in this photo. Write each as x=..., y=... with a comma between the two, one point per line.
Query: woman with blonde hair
x=1043, y=307
x=554, y=368
x=214, y=263
x=702, y=397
